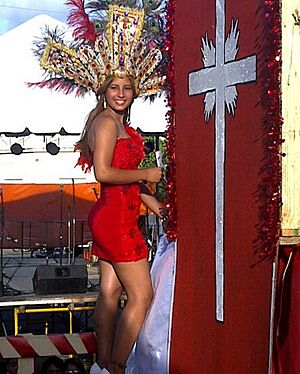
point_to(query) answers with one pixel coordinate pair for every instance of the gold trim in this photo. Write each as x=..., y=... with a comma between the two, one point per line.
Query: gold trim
x=121, y=52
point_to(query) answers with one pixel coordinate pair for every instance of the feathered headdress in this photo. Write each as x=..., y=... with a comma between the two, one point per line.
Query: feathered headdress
x=109, y=40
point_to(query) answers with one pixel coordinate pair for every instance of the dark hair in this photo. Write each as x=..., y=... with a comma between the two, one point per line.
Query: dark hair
x=56, y=361
x=82, y=144
x=76, y=362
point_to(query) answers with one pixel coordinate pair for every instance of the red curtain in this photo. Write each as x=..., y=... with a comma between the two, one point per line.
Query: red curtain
x=200, y=344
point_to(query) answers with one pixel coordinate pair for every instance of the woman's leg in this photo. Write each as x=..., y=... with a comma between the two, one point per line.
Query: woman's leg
x=135, y=278
x=106, y=312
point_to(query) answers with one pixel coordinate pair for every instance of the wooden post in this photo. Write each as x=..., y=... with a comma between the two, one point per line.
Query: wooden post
x=291, y=128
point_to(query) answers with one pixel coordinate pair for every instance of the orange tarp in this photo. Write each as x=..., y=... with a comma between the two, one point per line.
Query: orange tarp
x=41, y=213
x=45, y=201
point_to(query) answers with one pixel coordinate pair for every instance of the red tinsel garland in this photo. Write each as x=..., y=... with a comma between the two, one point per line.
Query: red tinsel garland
x=270, y=187
x=171, y=226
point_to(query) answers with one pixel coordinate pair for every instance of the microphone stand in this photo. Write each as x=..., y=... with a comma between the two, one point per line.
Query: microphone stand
x=95, y=193
x=69, y=235
x=1, y=242
x=73, y=222
x=61, y=225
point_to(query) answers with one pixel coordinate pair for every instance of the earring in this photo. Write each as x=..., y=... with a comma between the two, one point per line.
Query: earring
x=104, y=102
x=128, y=115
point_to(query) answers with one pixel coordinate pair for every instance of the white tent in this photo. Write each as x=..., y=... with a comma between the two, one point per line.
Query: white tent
x=40, y=109
x=43, y=111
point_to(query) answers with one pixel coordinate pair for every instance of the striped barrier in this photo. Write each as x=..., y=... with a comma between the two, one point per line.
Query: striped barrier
x=31, y=346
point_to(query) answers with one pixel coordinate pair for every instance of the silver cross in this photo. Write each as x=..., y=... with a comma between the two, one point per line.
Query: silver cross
x=218, y=79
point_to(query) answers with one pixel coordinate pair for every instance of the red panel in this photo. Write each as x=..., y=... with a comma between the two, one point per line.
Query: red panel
x=199, y=343
x=21, y=345
x=287, y=319
x=62, y=344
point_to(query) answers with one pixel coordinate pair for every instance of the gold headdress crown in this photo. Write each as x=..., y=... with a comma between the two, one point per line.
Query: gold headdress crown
x=118, y=51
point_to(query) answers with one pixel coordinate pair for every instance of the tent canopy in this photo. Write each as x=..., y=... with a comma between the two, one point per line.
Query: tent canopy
x=42, y=110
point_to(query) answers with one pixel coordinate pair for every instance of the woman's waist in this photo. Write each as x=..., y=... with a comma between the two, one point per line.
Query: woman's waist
x=121, y=197
x=112, y=190
x=118, y=187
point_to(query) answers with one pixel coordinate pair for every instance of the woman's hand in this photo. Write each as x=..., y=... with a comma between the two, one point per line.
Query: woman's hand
x=153, y=175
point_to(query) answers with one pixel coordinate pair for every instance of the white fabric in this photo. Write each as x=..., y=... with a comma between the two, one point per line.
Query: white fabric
x=151, y=352
x=95, y=369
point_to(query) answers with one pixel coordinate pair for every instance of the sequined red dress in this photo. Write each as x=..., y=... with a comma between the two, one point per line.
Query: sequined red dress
x=113, y=218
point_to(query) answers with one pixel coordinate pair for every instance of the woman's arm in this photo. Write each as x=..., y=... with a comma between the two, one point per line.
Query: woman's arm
x=105, y=138
x=153, y=204
x=150, y=201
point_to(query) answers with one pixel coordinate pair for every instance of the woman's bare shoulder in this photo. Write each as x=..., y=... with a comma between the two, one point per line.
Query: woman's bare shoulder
x=104, y=123
x=102, y=127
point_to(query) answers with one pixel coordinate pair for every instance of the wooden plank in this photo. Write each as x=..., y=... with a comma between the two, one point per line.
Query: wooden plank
x=290, y=112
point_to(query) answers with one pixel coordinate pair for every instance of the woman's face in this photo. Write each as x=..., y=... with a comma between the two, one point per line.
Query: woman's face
x=119, y=94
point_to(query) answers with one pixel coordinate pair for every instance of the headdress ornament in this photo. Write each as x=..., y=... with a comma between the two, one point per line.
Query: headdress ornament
x=115, y=45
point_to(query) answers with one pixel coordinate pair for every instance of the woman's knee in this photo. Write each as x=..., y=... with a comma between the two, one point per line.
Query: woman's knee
x=142, y=299
x=149, y=297
x=110, y=294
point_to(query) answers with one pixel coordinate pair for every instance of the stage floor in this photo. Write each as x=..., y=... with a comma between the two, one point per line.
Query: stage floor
x=23, y=310
x=18, y=271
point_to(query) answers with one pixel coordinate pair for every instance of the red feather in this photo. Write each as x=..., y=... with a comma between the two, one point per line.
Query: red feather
x=79, y=19
x=84, y=162
x=58, y=84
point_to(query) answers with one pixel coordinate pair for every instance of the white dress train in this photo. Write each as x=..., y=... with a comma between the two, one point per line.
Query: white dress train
x=151, y=352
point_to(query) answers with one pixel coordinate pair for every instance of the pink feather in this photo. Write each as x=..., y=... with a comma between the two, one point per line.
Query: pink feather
x=79, y=19
x=57, y=84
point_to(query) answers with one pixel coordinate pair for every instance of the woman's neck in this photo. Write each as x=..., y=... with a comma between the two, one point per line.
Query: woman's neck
x=118, y=116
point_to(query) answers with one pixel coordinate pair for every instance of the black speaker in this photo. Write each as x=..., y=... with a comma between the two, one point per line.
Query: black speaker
x=60, y=279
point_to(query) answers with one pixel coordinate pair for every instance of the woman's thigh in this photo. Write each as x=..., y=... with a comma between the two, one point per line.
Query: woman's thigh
x=110, y=285
x=135, y=278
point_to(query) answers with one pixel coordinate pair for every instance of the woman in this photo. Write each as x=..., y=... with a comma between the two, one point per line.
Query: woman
x=116, y=151
x=116, y=55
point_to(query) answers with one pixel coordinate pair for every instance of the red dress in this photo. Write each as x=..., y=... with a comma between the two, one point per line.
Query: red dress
x=113, y=218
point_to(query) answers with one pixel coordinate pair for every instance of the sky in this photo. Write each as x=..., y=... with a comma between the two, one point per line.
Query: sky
x=15, y=12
